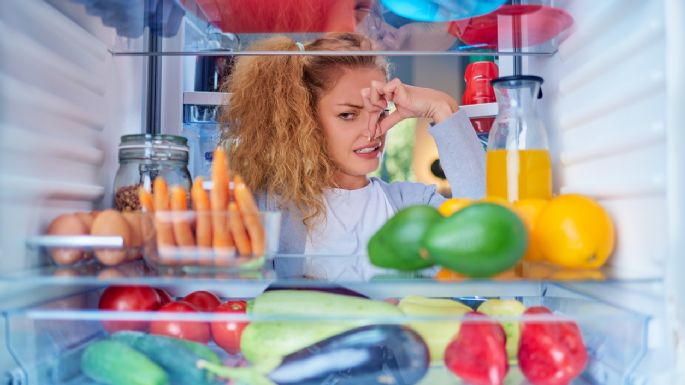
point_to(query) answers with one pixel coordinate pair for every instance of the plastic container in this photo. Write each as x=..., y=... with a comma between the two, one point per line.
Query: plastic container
x=144, y=157
x=186, y=251
x=201, y=113
x=48, y=341
x=518, y=163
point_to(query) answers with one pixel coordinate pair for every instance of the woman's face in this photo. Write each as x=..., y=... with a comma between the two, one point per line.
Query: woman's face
x=345, y=126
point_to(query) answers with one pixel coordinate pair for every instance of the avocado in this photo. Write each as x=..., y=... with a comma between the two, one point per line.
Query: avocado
x=480, y=240
x=397, y=244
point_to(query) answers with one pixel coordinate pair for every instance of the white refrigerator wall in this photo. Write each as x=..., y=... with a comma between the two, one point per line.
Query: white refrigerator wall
x=64, y=104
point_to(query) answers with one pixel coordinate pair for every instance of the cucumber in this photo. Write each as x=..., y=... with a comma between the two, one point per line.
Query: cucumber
x=115, y=363
x=173, y=355
x=202, y=351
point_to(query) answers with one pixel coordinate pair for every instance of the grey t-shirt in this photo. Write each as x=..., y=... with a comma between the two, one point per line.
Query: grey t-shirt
x=461, y=156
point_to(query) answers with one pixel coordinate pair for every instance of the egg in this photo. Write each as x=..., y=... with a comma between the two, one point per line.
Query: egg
x=66, y=224
x=86, y=218
x=134, y=222
x=112, y=223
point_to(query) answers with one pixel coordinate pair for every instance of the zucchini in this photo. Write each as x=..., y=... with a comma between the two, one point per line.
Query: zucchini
x=173, y=355
x=264, y=343
x=115, y=363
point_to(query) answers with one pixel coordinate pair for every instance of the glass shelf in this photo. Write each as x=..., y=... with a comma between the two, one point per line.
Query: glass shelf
x=220, y=27
x=295, y=271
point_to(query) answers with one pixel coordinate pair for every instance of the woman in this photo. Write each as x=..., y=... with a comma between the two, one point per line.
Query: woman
x=306, y=130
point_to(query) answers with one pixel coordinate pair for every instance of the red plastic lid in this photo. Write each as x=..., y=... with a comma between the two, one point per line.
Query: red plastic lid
x=265, y=16
x=538, y=24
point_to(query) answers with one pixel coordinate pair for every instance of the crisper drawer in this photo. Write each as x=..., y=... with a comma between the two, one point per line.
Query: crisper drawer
x=333, y=336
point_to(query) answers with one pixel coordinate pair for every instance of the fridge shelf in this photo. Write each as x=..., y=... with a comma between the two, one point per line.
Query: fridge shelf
x=222, y=27
x=319, y=270
x=48, y=340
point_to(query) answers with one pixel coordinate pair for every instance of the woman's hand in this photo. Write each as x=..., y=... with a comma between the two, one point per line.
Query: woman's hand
x=410, y=102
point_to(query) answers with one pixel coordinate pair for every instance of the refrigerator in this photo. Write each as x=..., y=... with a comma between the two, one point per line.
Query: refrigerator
x=76, y=75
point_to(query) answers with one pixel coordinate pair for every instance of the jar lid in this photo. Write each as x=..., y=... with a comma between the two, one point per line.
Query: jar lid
x=515, y=80
x=161, y=142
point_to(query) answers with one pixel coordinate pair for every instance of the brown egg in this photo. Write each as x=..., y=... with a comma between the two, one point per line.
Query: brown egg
x=134, y=222
x=86, y=218
x=111, y=222
x=66, y=224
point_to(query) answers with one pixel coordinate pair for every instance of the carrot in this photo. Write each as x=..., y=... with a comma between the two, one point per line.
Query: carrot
x=250, y=211
x=145, y=199
x=219, y=201
x=243, y=196
x=165, y=232
x=203, y=227
x=238, y=230
x=182, y=231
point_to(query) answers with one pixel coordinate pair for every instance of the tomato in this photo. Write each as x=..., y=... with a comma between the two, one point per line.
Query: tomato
x=128, y=298
x=197, y=331
x=203, y=300
x=227, y=333
x=164, y=297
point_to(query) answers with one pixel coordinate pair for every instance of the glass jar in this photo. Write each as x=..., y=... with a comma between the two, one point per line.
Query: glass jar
x=518, y=162
x=144, y=157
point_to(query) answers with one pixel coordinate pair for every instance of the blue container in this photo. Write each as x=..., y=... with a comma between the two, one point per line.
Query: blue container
x=441, y=10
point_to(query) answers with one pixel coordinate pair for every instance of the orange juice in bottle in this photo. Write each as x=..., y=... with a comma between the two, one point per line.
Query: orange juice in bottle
x=519, y=174
x=518, y=162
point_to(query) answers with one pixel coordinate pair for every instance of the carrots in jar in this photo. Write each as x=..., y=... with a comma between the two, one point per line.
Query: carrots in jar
x=179, y=204
x=203, y=226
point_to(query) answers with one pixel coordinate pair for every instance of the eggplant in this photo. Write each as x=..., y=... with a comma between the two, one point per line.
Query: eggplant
x=368, y=355
x=329, y=288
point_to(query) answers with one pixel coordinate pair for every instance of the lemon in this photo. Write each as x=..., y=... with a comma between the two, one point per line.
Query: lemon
x=574, y=231
x=453, y=205
x=529, y=210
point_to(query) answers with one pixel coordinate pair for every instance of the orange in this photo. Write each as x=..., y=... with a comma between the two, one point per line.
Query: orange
x=574, y=231
x=453, y=205
x=498, y=200
x=529, y=210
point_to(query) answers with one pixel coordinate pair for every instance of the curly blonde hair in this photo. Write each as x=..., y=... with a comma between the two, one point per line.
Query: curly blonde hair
x=274, y=139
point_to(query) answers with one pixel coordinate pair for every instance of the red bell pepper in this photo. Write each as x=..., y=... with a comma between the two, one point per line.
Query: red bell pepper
x=478, y=355
x=551, y=352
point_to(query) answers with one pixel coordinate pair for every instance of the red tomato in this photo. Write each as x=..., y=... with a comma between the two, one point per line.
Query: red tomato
x=197, y=331
x=164, y=297
x=203, y=300
x=128, y=298
x=227, y=333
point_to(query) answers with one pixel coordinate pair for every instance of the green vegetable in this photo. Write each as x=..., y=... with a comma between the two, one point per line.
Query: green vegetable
x=397, y=245
x=173, y=355
x=200, y=350
x=513, y=308
x=479, y=240
x=115, y=363
x=264, y=343
x=436, y=334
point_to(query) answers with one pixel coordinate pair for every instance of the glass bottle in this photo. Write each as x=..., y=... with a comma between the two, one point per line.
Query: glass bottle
x=518, y=162
x=144, y=157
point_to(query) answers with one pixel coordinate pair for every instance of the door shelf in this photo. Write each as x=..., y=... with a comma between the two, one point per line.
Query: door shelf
x=222, y=27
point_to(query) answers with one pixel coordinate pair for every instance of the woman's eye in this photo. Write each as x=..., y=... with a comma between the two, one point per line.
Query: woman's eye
x=347, y=115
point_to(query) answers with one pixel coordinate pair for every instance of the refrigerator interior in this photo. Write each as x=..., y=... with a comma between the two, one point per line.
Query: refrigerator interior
x=612, y=105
